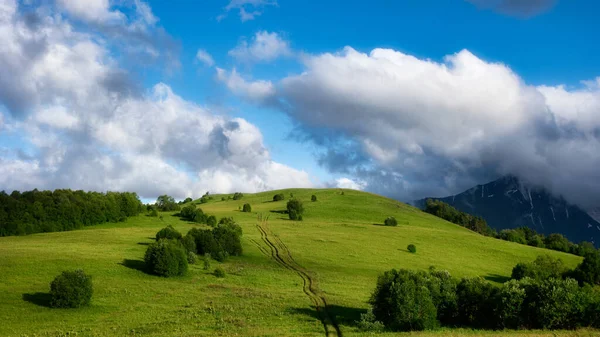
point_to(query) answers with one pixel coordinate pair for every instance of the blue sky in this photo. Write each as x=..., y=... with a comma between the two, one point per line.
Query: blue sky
x=404, y=98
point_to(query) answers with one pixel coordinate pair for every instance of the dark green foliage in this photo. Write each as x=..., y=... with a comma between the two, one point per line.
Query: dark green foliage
x=206, y=261
x=204, y=199
x=205, y=241
x=223, y=241
x=166, y=203
x=475, y=303
x=247, y=208
x=368, y=322
x=555, y=304
x=71, y=289
x=62, y=210
x=412, y=248
x=228, y=239
x=169, y=233
x=211, y=221
x=188, y=199
x=313, y=198
x=153, y=212
x=237, y=196
x=513, y=235
x=542, y=268
x=509, y=305
x=582, y=249
x=589, y=270
x=192, y=257
x=223, y=199
x=402, y=301
x=295, y=209
x=557, y=242
x=278, y=197
x=219, y=272
x=220, y=256
x=194, y=214
x=232, y=226
x=166, y=258
x=189, y=243
x=449, y=213
x=443, y=290
x=390, y=221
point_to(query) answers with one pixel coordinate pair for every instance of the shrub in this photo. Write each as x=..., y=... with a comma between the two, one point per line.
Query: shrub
x=223, y=199
x=219, y=272
x=188, y=199
x=71, y=289
x=232, y=226
x=589, y=270
x=278, y=197
x=247, y=208
x=557, y=242
x=228, y=239
x=237, y=196
x=443, y=291
x=390, y=221
x=368, y=322
x=220, y=255
x=168, y=233
x=295, y=209
x=166, y=258
x=313, y=198
x=206, y=261
x=153, y=212
x=403, y=302
x=555, y=304
x=205, y=241
x=509, y=304
x=513, y=235
x=211, y=221
x=543, y=267
x=191, y=258
x=189, y=243
x=475, y=304
x=412, y=248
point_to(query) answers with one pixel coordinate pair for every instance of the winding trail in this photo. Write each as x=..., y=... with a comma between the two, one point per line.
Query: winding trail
x=281, y=254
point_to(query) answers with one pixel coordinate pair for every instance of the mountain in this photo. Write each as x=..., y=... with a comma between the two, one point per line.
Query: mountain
x=509, y=203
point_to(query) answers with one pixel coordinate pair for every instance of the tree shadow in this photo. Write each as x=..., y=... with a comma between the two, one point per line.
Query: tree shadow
x=497, y=278
x=134, y=264
x=144, y=243
x=343, y=315
x=41, y=299
x=279, y=211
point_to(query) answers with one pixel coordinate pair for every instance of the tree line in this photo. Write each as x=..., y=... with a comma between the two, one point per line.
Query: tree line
x=522, y=235
x=29, y=212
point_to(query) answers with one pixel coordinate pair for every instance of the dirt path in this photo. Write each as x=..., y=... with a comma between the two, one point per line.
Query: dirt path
x=281, y=254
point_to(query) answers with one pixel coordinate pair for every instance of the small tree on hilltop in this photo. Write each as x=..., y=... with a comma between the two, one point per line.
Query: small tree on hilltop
x=237, y=196
x=295, y=209
x=390, y=221
x=278, y=197
x=247, y=208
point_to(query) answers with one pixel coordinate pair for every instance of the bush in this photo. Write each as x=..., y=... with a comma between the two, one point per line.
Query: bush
x=169, y=233
x=205, y=241
x=509, y=304
x=237, y=196
x=166, y=258
x=412, y=248
x=278, y=197
x=153, y=212
x=589, y=270
x=368, y=322
x=403, y=302
x=188, y=199
x=555, y=304
x=475, y=303
x=542, y=268
x=71, y=289
x=211, y=221
x=228, y=240
x=557, y=242
x=295, y=209
x=189, y=243
x=206, y=261
x=223, y=199
x=191, y=258
x=313, y=198
x=219, y=272
x=247, y=208
x=390, y=221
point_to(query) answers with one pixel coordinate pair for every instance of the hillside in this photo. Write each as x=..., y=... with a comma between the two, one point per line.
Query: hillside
x=341, y=247
x=508, y=203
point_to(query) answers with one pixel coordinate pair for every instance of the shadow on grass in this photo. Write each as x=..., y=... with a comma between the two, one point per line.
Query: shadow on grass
x=342, y=315
x=135, y=264
x=497, y=278
x=279, y=211
x=41, y=299
x=144, y=243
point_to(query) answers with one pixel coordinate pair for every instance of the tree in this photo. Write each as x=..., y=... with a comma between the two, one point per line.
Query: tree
x=166, y=258
x=390, y=221
x=558, y=242
x=475, y=304
x=313, y=198
x=589, y=270
x=542, y=268
x=211, y=221
x=237, y=196
x=188, y=199
x=412, y=248
x=278, y=197
x=295, y=209
x=247, y=208
x=166, y=203
x=168, y=233
x=71, y=289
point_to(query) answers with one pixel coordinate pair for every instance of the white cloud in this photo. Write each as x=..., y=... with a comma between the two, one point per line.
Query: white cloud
x=96, y=132
x=91, y=10
x=350, y=184
x=204, y=57
x=264, y=47
x=256, y=91
x=248, y=9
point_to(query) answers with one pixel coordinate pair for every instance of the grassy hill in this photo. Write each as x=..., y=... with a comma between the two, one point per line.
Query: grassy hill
x=340, y=246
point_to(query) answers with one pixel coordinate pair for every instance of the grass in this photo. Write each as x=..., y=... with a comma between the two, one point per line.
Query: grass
x=341, y=243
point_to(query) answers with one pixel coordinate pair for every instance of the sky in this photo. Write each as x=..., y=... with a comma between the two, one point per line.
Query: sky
x=408, y=99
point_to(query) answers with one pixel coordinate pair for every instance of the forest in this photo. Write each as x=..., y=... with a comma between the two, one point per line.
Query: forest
x=23, y=213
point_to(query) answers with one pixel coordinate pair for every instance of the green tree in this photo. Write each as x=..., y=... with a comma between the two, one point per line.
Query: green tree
x=313, y=198
x=278, y=197
x=247, y=208
x=295, y=209
x=166, y=258
x=71, y=289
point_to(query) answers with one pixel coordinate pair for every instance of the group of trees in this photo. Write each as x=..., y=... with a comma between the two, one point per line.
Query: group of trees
x=522, y=235
x=406, y=300
x=36, y=211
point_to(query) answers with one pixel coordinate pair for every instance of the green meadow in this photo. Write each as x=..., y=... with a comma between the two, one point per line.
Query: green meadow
x=341, y=246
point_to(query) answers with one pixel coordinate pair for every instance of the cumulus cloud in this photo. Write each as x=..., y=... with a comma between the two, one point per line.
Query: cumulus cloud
x=520, y=8
x=204, y=57
x=264, y=47
x=91, y=10
x=248, y=9
x=90, y=126
x=257, y=91
x=349, y=183
x=411, y=127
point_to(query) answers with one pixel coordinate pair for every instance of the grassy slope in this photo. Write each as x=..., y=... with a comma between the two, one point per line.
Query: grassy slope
x=338, y=242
